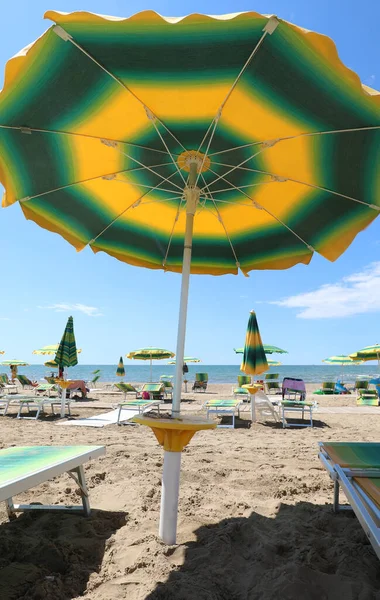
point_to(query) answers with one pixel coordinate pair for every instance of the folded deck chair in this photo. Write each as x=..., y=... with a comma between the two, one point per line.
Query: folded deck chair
x=22, y=468
x=355, y=467
x=139, y=404
x=200, y=383
x=293, y=389
x=156, y=391
x=222, y=408
x=261, y=405
x=367, y=398
x=297, y=406
x=26, y=383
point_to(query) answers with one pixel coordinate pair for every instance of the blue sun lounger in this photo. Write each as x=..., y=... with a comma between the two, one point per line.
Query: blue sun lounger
x=24, y=467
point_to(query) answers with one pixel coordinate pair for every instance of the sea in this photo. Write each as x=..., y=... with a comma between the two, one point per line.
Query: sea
x=216, y=373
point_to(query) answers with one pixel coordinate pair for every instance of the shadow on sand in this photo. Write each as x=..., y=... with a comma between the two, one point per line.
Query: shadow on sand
x=51, y=556
x=305, y=553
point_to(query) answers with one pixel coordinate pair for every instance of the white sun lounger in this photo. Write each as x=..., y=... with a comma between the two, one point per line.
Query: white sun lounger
x=260, y=404
x=22, y=468
x=31, y=402
x=140, y=405
x=355, y=467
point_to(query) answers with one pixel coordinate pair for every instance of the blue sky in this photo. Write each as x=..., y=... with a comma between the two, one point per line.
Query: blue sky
x=319, y=310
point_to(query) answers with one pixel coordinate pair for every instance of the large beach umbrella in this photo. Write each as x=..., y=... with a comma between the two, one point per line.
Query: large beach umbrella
x=368, y=353
x=66, y=355
x=202, y=144
x=342, y=360
x=186, y=359
x=267, y=349
x=120, y=371
x=150, y=354
x=273, y=363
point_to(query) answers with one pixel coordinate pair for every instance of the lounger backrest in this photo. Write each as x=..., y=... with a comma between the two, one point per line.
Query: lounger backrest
x=153, y=387
x=361, y=384
x=328, y=385
x=125, y=387
x=243, y=380
x=273, y=385
x=272, y=375
x=24, y=380
x=4, y=378
x=201, y=377
x=95, y=379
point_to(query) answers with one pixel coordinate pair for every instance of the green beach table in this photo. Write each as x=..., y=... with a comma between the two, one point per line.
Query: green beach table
x=24, y=467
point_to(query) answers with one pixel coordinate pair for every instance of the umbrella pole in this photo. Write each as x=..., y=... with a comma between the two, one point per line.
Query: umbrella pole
x=151, y=369
x=172, y=460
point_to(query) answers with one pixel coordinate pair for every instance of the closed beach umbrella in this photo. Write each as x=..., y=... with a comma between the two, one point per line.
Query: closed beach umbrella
x=150, y=354
x=342, y=360
x=120, y=371
x=66, y=355
x=212, y=160
x=254, y=359
x=368, y=353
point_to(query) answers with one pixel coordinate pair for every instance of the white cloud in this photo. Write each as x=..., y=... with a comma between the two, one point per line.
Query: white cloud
x=356, y=294
x=90, y=311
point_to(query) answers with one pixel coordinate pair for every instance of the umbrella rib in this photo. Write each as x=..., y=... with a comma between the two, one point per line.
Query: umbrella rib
x=244, y=186
x=282, y=179
x=152, y=118
x=145, y=166
x=220, y=219
x=134, y=204
x=171, y=234
x=29, y=130
x=269, y=28
x=299, y=135
x=151, y=187
x=108, y=176
x=260, y=206
x=62, y=33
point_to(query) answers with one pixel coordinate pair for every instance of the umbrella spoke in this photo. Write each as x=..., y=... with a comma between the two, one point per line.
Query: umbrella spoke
x=153, y=119
x=66, y=37
x=172, y=233
x=298, y=135
x=29, y=130
x=256, y=204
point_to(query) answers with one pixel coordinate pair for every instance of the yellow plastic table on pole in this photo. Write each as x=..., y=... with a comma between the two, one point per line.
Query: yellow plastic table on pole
x=63, y=384
x=252, y=388
x=173, y=434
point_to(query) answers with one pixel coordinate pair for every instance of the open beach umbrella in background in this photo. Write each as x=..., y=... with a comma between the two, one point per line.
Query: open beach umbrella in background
x=186, y=359
x=273, y=363
x=120, y=371
x=368, y=353
x=267, y=349
x=13, y=364
x=50, y=350
x=246, y=152
x=342, y=360
x=66, y=356
x=150, y=354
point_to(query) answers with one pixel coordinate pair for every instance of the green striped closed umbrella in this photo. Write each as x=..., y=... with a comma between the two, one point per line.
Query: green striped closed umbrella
x=67, y=351
x=254, y=359
x=120, y=371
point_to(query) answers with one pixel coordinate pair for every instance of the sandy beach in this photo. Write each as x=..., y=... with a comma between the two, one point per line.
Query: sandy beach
x=255, y=517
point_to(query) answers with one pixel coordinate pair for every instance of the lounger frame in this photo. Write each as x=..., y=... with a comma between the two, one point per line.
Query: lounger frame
x=72, y=466
x=299, y=408
x=221, y=411
x=360, y=503
x=140, y=405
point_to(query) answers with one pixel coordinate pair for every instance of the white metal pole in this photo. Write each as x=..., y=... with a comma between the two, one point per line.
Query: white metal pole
x=169, y=497
x=151, y=369
x=63, y=402
x=192, y=196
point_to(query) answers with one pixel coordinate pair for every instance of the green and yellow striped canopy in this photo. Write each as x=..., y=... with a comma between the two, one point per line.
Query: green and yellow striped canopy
x=367, y=353
x=101, y=117
x=120, y=371
x=267, y=349
x=51, y=363
x=52, y=349
x=67, y=351
x=186, y=359
x=254, y=359
x=14, y=362
x=341, y=360
x=150, y=353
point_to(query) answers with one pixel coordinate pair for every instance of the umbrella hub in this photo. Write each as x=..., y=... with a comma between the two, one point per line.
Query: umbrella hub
x=190, y=157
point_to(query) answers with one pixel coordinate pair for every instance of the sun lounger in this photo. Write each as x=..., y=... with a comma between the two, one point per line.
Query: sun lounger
x=45, y=389
x=273, y=387
x=200, y=383
x=297, y=406
x=140, y=405
x=22, y=468
x=168, y=388
x=32, y=403
x=260, y=404
x=25, y=382
x=367, y=398
x=125, y=388
x=156, y=391
x=222, y=407
x=355, y=467
x=6, y=386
